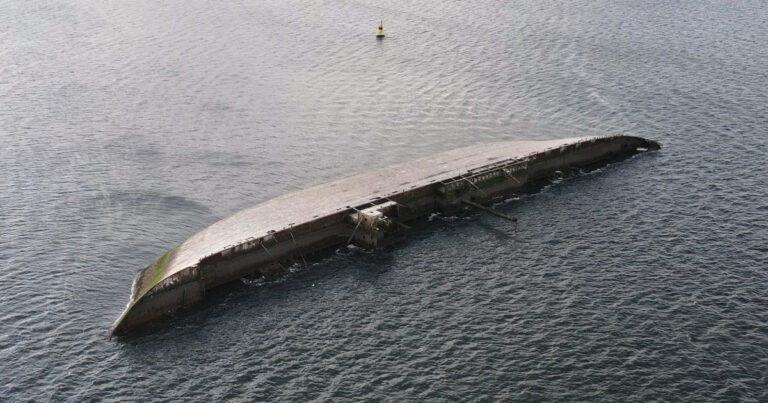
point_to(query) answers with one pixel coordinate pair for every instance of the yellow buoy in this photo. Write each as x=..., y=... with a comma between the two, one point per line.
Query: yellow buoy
x=380, y=35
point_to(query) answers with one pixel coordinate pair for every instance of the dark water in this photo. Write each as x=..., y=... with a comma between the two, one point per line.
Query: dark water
x=125, y=127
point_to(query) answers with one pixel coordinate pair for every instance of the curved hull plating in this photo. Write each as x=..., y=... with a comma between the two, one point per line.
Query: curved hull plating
x=369, y=210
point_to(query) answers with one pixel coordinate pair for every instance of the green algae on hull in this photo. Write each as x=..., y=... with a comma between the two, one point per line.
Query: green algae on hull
x=141, y=285
x=158, y=272
x=151, y=275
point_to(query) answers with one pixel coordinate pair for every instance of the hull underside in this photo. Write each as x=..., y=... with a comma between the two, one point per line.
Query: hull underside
x=370, y=210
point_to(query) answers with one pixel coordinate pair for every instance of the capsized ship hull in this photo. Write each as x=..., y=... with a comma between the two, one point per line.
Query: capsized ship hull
x=369, y=210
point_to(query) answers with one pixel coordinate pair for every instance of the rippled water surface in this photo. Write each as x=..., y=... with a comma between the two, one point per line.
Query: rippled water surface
x=125, y=127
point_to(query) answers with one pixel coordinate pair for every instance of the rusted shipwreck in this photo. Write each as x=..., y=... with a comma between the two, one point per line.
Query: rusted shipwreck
x=368, y=210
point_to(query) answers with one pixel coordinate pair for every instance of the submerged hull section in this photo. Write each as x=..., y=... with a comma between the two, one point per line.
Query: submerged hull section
x=368, y=210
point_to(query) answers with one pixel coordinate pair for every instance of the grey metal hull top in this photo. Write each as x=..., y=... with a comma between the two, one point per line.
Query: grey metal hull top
x=323, y=200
